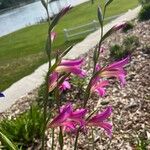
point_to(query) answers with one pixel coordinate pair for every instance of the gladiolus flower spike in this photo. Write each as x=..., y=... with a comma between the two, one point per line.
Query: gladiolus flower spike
x=65, y=85
x=71, y=66
x=69, y=119
x=99, y=87
x=115, y=70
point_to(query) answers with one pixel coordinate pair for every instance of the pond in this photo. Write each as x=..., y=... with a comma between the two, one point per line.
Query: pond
x=30, y=14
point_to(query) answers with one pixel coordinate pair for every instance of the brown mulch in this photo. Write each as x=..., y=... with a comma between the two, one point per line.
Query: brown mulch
x=131, y=104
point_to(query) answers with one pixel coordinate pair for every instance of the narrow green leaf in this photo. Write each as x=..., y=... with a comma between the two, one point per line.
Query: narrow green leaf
x=108, y=33
x=61, y=140
x=66, y=51
x=104, y=103
x=9, y=144
x=100, y=15
x=53, y=67
x=48, y=46
x=107, y=2
x=95, y=55
x=58, y=17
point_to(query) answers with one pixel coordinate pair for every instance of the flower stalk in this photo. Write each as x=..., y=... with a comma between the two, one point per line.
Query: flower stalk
x=68, y=119
x=76, y=140
x=53, y=139
x=48, y=50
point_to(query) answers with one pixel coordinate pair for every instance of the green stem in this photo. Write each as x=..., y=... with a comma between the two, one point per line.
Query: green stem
x=45, y=111
x=102, y=32
x=53, y=139
x=49, y=39
x=47, y=84
x=87, y=94
x=49, y=21
x=97, y=51
x=61, y=139
x=93, y=145
x=100, y=42
x=76, y=140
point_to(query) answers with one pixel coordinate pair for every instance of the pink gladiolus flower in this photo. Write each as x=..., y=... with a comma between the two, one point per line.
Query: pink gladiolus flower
x=99, y=87
x=100, y=120
x=97, y=67
x=68, y=119
x=53, y=79
x=1, y=94
x=115, y=70
x=119, y=26
x=65, y=85
x=71, y=66
x=53, y=36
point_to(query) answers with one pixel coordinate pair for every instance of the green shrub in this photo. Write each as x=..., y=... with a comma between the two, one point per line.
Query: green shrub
x=143, y=2
x=130, y=43
x=145, y=12
x=24, y=129
x=128, y=26
x=7, y=142
x=142, y=142
x=120, y=51
x=117, y=52
x=41, y=97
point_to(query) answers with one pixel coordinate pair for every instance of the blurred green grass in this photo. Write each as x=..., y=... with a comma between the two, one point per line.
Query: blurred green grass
x=21, y=52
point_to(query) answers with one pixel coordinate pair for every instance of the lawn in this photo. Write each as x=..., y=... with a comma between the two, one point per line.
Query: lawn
x=22, y=52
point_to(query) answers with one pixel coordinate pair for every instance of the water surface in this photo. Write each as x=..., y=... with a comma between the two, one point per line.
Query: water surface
x=30, y=14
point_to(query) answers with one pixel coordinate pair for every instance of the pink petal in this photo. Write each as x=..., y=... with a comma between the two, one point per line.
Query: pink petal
x=107, y=127
x=114, y=73
x=78, y=113
x=53, y=36
x=102, y=83
x=101, y=91
x=65, y=85
x=102, y=116
x=98, y=67
x=78, y=116
x=119, y=26
x=53, y=77
x=69, y=126
x=62, y=116
x=71, y=62
x=122, y=80
x=67, y=107
x=53, y=81
x=71, y=69
x=99, y=87
x=119, y=64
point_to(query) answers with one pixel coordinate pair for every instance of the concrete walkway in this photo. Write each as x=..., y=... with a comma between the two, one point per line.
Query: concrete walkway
x=27, y=84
